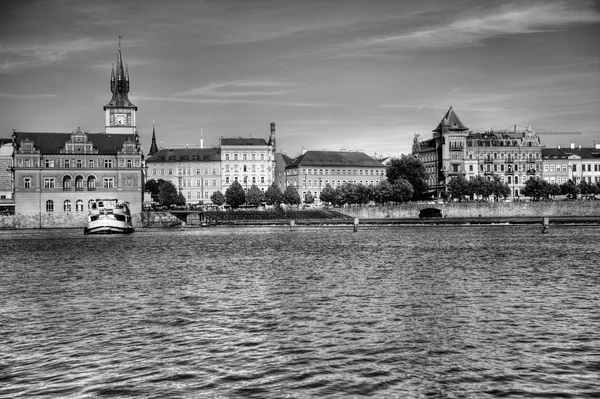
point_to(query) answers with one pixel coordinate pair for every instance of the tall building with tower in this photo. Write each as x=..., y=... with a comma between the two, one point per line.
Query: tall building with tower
x=57, y=174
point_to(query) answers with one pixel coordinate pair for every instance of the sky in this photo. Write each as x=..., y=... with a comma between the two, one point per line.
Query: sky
x=353, y=75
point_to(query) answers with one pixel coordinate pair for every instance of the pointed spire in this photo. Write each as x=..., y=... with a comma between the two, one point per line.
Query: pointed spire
x=119, y=90
x=153, y=146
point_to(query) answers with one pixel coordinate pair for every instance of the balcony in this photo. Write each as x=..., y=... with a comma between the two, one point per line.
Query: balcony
x=91, y=188
x=509, y=172
x=531, y=172
x=509, y=161
x=67, y=188
x=458, y=149
x=79, y=188
x=488, y=161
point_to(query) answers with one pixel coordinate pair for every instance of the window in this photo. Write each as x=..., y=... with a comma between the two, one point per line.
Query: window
x=214, y=182
x=235, y=157
x=154, y=172
x=27, y=182
x=262, y=157
x=253, y=157
x=108, y=182
x=189, y=195
x=170, y=171
x=91, y=163
x=49, y=206
x=108, y=163
x=49, y=163
x=79, y=163
x=574, y=168
x=162, y=171
x=67, y=206
x=244, y=158
x=262, y=180
x=253, y=179
x=130, y=164
x=91, y=183
x=227, y=157
x=198, y=195
x=67, y=163
x=227, y=180
x=470, y=168
x=67, y=183
x=49, y=183
x=79, y=206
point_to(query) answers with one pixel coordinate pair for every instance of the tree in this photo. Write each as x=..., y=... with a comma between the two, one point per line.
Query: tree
x=167, y=194
x=459, y=188
x=291, y=196
x=411, y=168
x=569, y=189
x=587, y=189
x=217, y=198
x=500, y=189
x=383, y=192
x=235, y=195
x=328, y=194
x=153, y=187
x=348, y=193
x=364, y=194
x=255, y=196
x=309, y=199
x=180, y=199
x=481, y=186
x=273, y=196
x=402, y=191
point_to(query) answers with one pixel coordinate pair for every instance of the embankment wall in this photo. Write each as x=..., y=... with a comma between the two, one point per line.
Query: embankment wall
x=479, y=209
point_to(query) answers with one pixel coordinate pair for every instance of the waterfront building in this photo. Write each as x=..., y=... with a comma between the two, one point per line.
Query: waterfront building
x=248, y=161
x=6, y=177
x=513, y=156
x=195, y=172
x=281, y=161
x=57, y=174
x=313, y=170
x=572, y=163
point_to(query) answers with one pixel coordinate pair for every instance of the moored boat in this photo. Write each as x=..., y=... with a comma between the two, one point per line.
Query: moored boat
x=108, y=216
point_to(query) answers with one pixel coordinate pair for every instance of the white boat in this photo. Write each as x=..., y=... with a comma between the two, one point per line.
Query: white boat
x=108, y=216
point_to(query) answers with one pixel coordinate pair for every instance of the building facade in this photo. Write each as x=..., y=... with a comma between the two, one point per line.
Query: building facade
x=312, y=171
x=6, y=176
x=195, y=172
x=57, y=174
x=572, y=163
x=248, y=161
x=454, y=150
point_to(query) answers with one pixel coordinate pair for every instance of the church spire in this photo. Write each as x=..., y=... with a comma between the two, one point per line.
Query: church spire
x=153, y=146
x=119, y=84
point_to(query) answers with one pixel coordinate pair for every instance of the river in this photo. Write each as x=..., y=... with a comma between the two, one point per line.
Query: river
x=265, y=312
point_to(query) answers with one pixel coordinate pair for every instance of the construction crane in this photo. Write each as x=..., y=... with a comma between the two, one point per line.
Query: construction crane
x=543, y=131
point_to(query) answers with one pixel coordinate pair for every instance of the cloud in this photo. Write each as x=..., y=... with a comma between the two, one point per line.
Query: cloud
x=27, y=96
x=473, y=30
x=49, y=53
x=238, y=88
x=222, y=101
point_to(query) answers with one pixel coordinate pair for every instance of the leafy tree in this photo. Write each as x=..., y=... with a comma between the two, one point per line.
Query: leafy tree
x=459, y=188
x=273, y=195
x=180, y=199
x=291, y=196
x=235, y=195
x=167, y=194
x=364, y=193
x=534, y=188
x=217, y=198
x=328, y=194
x=569, y=189
x=255, y=196
x=500, y=189
x=310, y=199
x=587, y=189
x=383, y=192
x=402, y=191
x=411, y=168
x=481, y=186
x=554, y=189
x=348, y=193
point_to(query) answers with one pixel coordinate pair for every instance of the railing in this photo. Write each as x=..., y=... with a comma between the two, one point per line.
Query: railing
x=67, y=188
x=91, y=188
x=79, y=188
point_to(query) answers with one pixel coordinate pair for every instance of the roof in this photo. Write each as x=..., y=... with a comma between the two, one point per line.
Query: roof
x=185, y=155
x=52, y=143
x=564, y=153
x=119, y=86
x=287, y=160
x=334, y=158
x=242, y=141
x=454, y=122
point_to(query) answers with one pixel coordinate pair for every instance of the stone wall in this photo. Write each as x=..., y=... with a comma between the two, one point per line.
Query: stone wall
x=159, y=219
x=476, y=209
x=51, y=220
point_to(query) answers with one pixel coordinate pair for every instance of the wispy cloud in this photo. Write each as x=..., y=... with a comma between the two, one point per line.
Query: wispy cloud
x=27, y=96
x=473, y=30
x=239, y=88
x=226, y=101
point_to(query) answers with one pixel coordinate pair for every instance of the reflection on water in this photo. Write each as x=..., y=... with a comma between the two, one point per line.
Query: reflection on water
x=469, y=311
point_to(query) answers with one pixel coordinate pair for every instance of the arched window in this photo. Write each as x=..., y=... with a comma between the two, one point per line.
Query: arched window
x=79, y=206
x=516, y=179
x=49, y=206
x=91, y=183
x=67, y=183
x=67, y=206
x=79, y=183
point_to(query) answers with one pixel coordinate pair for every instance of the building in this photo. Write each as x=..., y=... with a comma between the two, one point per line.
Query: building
x=513, y=156
x=281, y=161
x=248, y=161
x=312, y=171
x=56, y=174
x=196, y=172
x=573, y=163
x=7, y=202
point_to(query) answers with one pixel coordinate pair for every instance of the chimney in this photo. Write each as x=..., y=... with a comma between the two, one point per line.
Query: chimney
x=515, y=128
x=272, y=127
x=572, y=146
x=201, y=139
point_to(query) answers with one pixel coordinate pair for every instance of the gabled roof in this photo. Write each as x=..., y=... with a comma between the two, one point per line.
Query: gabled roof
x=287, y=160
x=454, y=123
x=565, y=153
x=334, y=158
x=242, y=141
x=185, y=155
x=51, y=143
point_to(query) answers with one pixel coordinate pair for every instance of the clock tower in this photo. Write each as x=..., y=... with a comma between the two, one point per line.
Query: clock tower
x=120, y=112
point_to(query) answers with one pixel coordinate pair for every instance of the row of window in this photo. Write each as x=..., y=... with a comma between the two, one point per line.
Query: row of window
x=245, y=180
x=245, y=168
x=77, y=163
x=323, y=183
x=181, y=171
x=584, y=167
x=199, y=182
x=509, y=157
x=360, y=172
x=244, y=156
x=50, y=182
x=67, y=206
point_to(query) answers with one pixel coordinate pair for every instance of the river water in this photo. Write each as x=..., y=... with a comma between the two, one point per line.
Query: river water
x=399, y=311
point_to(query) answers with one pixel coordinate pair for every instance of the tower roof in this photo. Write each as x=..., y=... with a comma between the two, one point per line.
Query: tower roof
x=153, y=146
x=452, y=121
x=119, y=85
